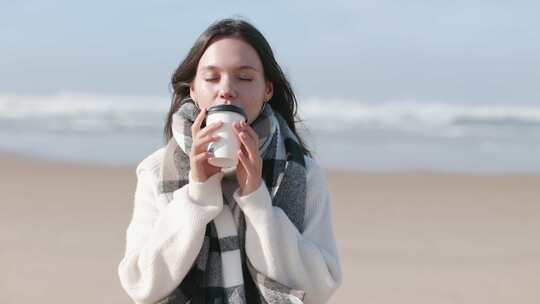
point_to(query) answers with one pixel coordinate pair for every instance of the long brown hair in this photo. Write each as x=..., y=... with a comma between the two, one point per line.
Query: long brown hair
x=283, y=100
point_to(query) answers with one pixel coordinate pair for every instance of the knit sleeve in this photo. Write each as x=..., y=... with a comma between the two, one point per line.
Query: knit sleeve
x=163, y=243
x=307, y=261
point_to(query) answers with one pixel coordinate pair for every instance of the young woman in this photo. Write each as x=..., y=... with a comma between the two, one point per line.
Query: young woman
x=259, y=233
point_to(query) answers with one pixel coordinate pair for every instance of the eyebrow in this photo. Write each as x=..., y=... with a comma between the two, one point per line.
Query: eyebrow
x=243, y=67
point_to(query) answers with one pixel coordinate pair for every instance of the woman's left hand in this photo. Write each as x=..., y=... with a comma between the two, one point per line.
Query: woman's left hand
x=249, y=168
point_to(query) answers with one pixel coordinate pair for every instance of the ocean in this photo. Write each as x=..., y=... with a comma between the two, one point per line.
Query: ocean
x=344, y=134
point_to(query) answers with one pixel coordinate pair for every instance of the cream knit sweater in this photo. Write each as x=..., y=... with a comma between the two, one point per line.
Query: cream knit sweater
x=163, y=240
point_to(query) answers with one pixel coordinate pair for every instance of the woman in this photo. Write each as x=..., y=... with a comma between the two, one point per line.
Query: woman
x=260, y=233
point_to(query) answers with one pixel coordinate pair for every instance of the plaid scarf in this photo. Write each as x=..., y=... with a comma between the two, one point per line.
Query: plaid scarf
x=212, y=278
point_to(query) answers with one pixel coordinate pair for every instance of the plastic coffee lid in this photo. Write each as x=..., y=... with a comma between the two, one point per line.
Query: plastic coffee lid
x=224, y=107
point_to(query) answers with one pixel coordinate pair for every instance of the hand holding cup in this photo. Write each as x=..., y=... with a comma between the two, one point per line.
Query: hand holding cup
x=201, y=169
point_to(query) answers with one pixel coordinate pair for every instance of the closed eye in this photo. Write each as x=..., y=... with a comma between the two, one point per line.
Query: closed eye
x=215, y=79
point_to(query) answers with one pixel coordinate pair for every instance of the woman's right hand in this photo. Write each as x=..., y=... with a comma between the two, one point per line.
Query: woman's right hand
x=201, y=170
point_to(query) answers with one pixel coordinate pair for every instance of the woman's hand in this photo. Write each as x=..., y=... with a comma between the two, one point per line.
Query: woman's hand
x=201, y=170
x=249, y=168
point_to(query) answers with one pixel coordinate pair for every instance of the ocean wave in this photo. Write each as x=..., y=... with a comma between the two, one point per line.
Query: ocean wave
x=82, y=112
x=351, y=113
x=70, y=111
x=347, y=134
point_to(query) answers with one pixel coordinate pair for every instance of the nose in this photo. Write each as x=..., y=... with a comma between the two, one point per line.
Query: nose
x=227, y=92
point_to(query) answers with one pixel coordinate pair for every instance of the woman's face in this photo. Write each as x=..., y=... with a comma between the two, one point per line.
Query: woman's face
x=230, y=72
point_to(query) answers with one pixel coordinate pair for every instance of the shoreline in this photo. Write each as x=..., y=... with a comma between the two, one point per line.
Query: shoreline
x=44, y=161
x=424, y=236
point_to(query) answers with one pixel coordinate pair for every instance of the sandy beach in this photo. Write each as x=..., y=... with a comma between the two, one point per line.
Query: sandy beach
x=403, y=237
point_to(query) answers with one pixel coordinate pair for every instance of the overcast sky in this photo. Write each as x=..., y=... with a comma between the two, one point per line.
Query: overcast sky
x=449, y=51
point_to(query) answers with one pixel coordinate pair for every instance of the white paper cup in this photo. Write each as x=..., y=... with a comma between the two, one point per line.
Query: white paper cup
x=226, y=148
